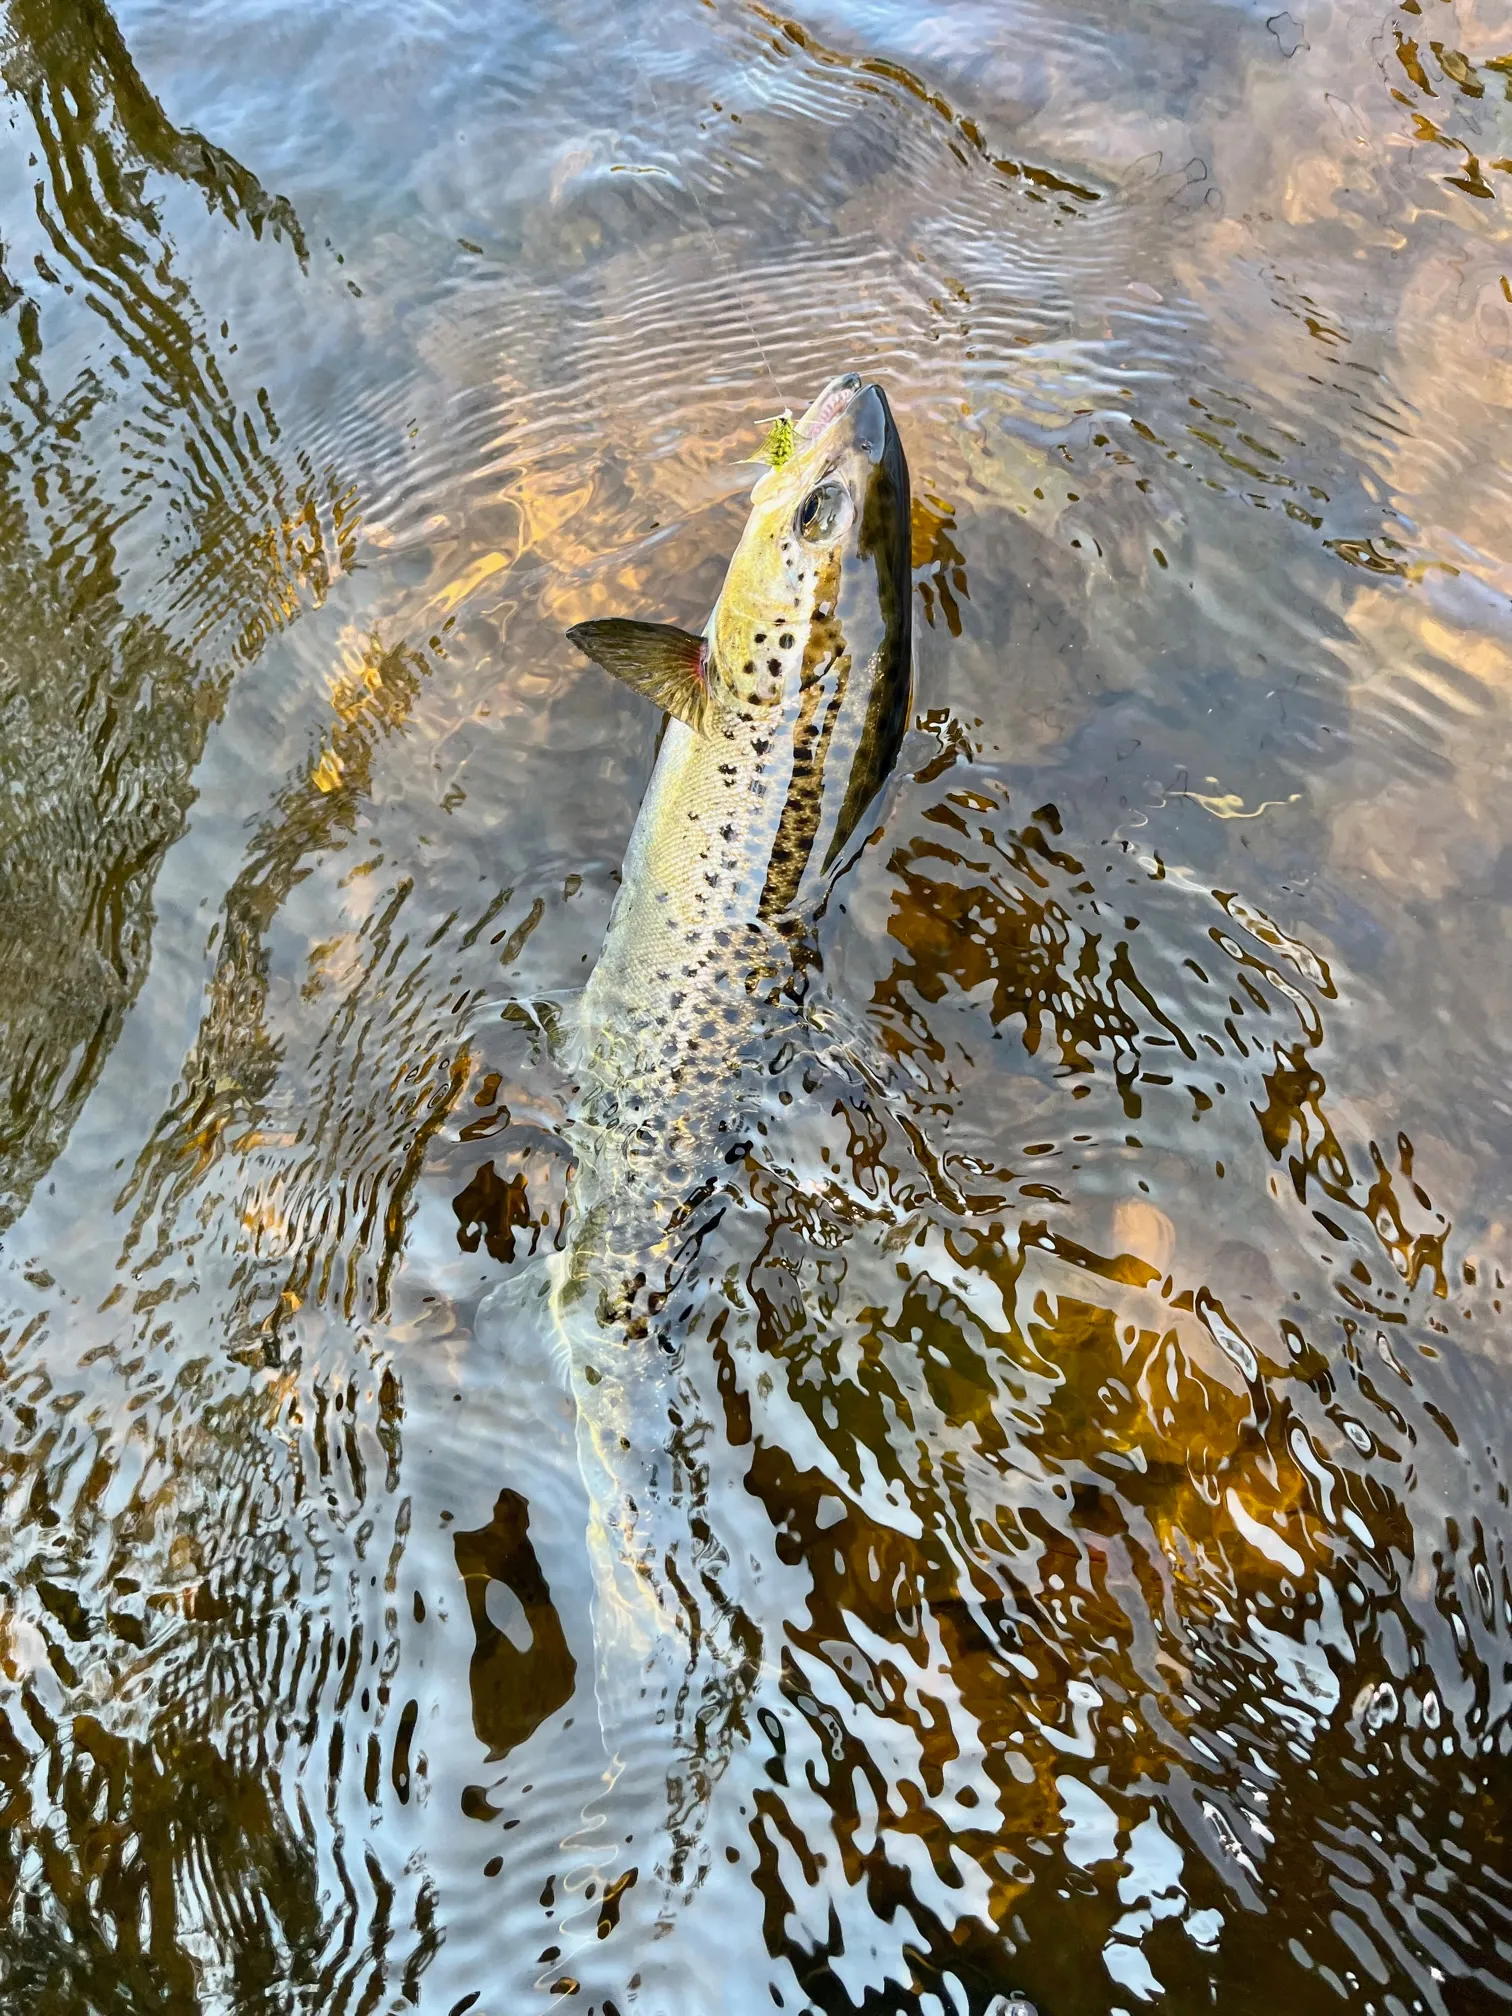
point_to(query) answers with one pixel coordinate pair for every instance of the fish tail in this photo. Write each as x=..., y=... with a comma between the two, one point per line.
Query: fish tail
x=675, y=1663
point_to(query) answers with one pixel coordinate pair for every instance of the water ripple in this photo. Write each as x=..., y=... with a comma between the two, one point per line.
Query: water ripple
x=1098, y=1357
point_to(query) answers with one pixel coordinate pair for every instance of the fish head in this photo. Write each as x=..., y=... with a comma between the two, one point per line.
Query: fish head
x=811, y=638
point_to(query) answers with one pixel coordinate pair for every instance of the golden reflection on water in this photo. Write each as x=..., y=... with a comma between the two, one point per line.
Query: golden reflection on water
x=1103, y=1345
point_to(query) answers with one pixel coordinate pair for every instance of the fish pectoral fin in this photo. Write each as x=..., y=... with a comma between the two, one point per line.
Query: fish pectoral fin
x=670, y=666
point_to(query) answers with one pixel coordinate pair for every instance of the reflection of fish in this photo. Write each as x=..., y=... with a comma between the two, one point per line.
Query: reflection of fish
x=786, y=716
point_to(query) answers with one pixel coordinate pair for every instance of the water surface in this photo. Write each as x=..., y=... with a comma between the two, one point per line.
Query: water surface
x=1112, y=1379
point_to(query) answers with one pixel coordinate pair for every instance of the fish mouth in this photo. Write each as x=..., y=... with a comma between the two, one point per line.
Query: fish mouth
x=837, y=397
x=849, y=417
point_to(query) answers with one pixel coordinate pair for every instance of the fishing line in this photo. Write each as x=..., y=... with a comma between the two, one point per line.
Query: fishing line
x=725, y=266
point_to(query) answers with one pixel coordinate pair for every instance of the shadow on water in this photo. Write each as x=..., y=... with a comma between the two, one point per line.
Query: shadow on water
x=164, y=1696
x=1153, y=1575
x=156, y=1854
x=106, y=705
x=232, y=1070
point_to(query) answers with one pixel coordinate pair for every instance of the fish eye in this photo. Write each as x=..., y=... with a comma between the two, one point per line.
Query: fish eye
x=825, y=513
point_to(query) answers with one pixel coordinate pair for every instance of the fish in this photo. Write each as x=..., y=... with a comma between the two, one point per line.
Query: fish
x=785, y=716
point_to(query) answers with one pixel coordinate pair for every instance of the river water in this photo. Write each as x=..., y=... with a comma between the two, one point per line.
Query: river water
x=1113, y=1401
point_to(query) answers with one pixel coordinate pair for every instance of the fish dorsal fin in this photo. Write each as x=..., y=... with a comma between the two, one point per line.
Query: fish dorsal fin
x=670, y=666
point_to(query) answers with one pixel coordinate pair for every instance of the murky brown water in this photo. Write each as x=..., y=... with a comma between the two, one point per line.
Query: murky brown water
x=1113, y=1410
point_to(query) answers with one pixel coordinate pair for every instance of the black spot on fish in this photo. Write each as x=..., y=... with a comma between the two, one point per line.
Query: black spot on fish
x=761, y=636
x=774, y=664
x=750, y=666
x=786, y=640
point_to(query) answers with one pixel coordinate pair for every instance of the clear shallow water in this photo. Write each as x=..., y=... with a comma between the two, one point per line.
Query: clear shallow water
x=1113, y=1411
